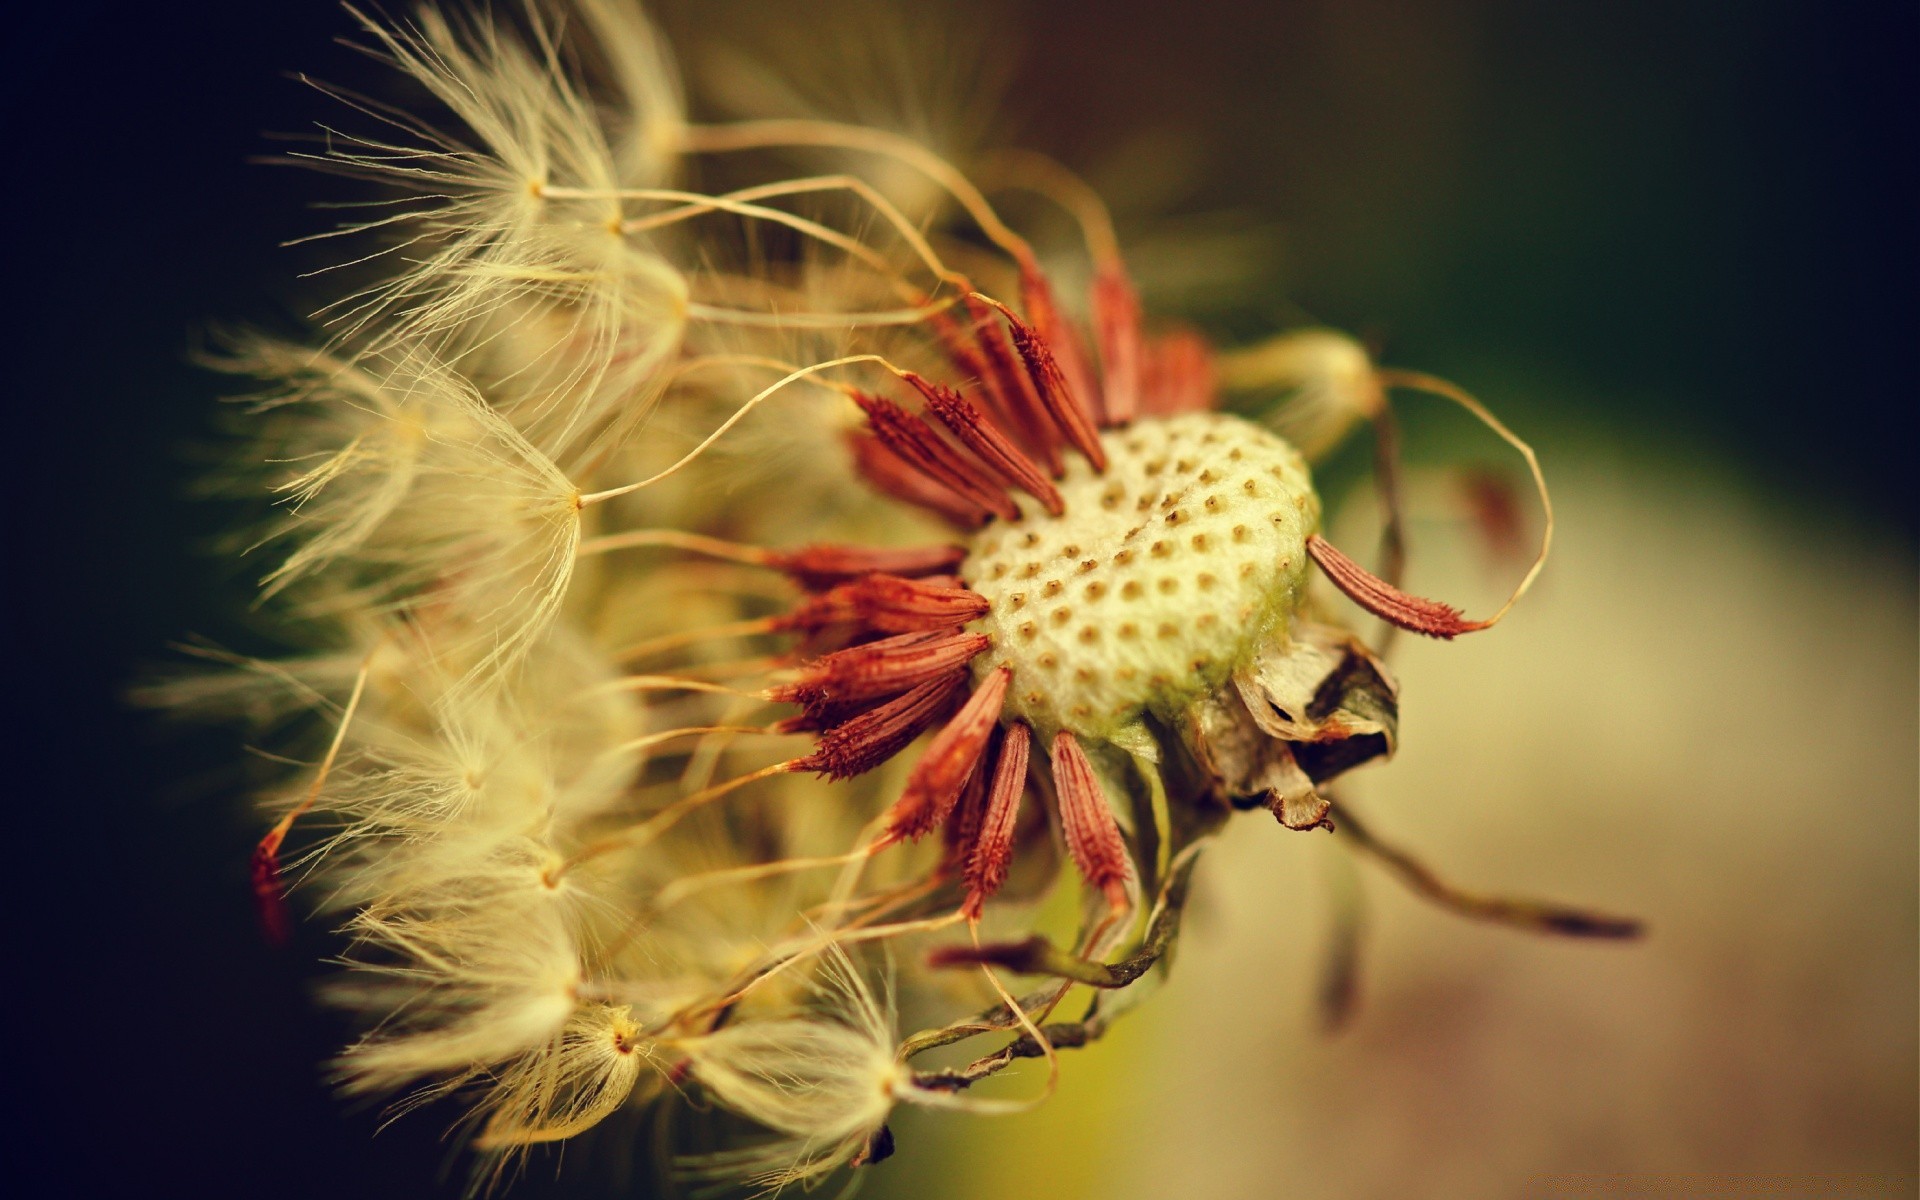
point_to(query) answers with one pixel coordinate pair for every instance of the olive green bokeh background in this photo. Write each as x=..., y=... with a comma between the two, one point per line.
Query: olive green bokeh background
x=1675, y=242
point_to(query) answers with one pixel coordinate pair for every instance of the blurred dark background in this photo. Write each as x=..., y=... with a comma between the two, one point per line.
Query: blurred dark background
x=1705, y=213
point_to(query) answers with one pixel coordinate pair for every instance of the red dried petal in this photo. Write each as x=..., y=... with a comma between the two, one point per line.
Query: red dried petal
x=891, y=474
x=1092, y=835
x=888, y=604
x=974, y=430
x=987, y=868
x=917, y=445
x=968, y=362
x=1036, y=297
x=814, y=700
x=1015, y=387
x=821, y=713
x=962, y=830
x=1383, y=600
x=882, y=668
x=1063, y=409
x=933, y=785
x=865, y=741
x=895, y=605
x=819, y=567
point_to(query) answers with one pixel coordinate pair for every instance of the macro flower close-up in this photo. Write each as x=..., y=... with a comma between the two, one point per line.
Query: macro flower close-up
x=776, y=600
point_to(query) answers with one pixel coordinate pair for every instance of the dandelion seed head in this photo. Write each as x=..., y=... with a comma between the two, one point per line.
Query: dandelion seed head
x=701, y=589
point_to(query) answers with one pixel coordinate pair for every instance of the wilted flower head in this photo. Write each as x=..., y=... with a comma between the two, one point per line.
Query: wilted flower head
x=683, y=559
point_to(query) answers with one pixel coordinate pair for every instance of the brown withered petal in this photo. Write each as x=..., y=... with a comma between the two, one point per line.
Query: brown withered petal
x=968, y=363
x=892, y=475
x=1015, y=387
x=821, y=566
x=915, y=443
x=1383, y=600
x=805, y=695
x=821, y=713
x=1092, y=835
x=863, y=742
x=976, y=432
x=1036, y=297
x=1116, y=326
x=895, y=605
x=934, y=784
x=962, y=830
x=1063, y=409
x=942, y=581
x=883, y=668
x=1319, y=682
x=888, y=604
x=823, y=710
x=993, y=853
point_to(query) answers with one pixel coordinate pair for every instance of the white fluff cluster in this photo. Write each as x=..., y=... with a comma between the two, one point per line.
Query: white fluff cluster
x=431, y=463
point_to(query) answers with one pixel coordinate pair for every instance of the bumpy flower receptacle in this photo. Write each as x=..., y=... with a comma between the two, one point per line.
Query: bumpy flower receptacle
x=1158, y=581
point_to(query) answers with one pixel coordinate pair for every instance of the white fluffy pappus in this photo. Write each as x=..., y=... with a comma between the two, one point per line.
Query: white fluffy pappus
x=397, y=473
x=508, y=227
x=564, y=1086
x=471, y=795
x=455, y=992
x=824, y=1079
